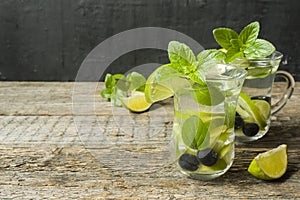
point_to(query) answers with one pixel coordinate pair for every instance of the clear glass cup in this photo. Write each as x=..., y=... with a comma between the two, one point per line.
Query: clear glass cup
x=203, y=129
x=255, y=105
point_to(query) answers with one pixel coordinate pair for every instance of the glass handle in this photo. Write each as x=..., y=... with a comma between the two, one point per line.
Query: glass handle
x=287, y=93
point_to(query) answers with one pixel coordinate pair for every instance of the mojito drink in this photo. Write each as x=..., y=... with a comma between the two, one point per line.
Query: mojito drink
x=203, y=129
x=261, y=60
x=253, y=116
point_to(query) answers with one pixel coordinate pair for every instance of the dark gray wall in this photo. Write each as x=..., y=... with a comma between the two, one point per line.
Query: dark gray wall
x=48, y=39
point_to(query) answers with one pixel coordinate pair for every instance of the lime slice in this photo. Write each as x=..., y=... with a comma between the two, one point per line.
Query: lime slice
x=271, y=164
x=215, y=135
x=159, y=84
x=264, y=108
x=258, y=72
x=136, y=102
x=249, y=111
x=254, y=68
x=226, y=153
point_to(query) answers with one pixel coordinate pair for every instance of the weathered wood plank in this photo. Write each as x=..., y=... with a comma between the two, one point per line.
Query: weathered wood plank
x=73, y=173
x=115, y=154
x=54, y=98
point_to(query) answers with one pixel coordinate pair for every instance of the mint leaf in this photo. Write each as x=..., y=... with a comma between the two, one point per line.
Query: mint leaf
x=246, y=44
x=116, y=95
x=117, y=86
x=207, y=58
x=181, y=54
x=184, y=61
x=194, y=132
x=111, y=91
x=136, y=81
x=259, y=49
x=110, y=82
x=207, y=95
x=198, y=77
x=106, y=93
x=236, y=44
x=232, y=54
x=223, y=36
x=250, y=33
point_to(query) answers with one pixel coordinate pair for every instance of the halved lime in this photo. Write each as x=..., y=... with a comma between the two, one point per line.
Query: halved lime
x=136, y=102
x=271, y=164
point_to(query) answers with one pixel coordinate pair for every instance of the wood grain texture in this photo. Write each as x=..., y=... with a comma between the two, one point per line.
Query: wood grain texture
x=48, y=152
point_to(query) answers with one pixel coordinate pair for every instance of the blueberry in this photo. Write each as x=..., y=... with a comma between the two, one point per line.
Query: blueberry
x=207, y=157
x=188, y=162
x=239, y=122
x=267, y=99
x=250, y=129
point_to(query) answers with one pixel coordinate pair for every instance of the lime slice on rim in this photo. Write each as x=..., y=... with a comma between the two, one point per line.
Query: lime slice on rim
x=159, y=85
x=271, y=164
x=136, y=102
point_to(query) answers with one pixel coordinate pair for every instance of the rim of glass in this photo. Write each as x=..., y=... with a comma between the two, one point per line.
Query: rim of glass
x=240, y=73
x=276, y=55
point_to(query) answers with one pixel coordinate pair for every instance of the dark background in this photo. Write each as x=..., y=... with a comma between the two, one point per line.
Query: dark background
x=47, y=40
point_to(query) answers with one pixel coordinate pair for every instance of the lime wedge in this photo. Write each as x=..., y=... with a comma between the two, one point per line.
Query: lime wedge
x=271, y=164
x=249, y=111
x=136, y=102
x=159, y=84
x=264, y=108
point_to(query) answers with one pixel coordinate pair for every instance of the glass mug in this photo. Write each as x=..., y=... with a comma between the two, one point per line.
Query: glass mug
x=203, y=128
x=254, y=109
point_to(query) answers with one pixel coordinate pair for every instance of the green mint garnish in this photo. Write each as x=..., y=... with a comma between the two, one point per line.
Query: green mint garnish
x=117, y=86
x=111, y=92
x=246, y=44
x=184, y=61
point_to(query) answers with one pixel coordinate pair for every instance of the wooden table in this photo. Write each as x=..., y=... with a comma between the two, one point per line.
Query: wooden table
x=57, y=142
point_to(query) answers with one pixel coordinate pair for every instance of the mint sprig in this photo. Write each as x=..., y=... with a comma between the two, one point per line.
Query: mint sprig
x=245, y=44
x=117, y=86
x=183, y=60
